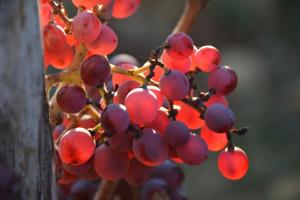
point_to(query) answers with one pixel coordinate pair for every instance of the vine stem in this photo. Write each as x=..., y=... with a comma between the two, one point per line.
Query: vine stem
x=58, y=11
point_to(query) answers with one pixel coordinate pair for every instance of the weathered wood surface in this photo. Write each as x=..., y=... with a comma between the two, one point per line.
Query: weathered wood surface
x=25, y=140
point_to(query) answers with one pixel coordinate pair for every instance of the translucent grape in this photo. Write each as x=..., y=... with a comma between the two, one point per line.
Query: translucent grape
x=214, y=141
x=173, y=155
x=86, y=26
x=188, y=115
x=125, y=8
x=234, y=164
x=216, y=99
x=177, y=133
x=180, y=46
x=54, y=38
x=137, y=173
x=182, y=65
x=174, y=85
x=110, y=164
x=194, y=152
x=223, y=80
x=157, y=93
x=95, y=70
x=45, y=12
x=76, y=146
x=89, y=3
x=124, y=89
x=142, y=106
x=105, y=43
x=63, y=59
x=161, y=121
x=115, y=118
x=149, y=148
x=207, y=58
x=86, y=121
x=78, y=169
x=71, y=98
x=219, y=118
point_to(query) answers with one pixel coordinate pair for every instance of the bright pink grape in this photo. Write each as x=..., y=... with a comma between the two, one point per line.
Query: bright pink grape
x=124, y=89
x=125, y=8
x=177, y=133
x=121, y=141
x=86, y=26
x=182, y=65
x=161, y=121
x=119, y=78
x=95, y=70
x=105, y=43
x=233, y=165
x=179, y=46
x=216, y=99
x=115, y=118
x=174, y=85
x=194, y=152
x=137, y=173
x=142, y=106
x=110, y=164
x=71, y=98
x=63, y=59
x=157, y=93
x=76, y=146
x=188, y=115
x=215, y=141
x=219, y=118
x=54, y=38
x=149, y=148
x=223, y=80
x=207, y=58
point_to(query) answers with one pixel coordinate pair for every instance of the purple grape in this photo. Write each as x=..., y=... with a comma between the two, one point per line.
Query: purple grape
x=177, y=133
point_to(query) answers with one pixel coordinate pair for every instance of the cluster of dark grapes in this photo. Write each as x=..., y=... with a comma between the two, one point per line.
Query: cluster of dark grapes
x=121, y=121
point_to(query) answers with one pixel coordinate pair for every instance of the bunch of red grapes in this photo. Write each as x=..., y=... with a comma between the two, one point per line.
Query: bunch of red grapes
x=121, y=121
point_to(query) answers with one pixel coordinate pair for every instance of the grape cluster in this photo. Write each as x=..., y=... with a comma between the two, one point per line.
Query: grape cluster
x=121, y=121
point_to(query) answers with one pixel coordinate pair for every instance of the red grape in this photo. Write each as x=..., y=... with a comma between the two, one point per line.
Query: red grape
x=173, y=155
x=174, y=85
x=110, y=164
x=66, y=178
x=89, y=3
x=214, y=141
x=76, y=146
x=71, y=98
x=121, y=141
x=177, y=133
x=233, y=164
x=120, y=59
x=86, y=26
x=54, y=38
x=83, y=190
x=182, y=65
x=125, y=8
x=216, y=99
x=124, y=89
x=223, y=80
x=78, y=170
x=105, y=43
x=115, y=118
x=157, y=93
x=137, y=173
x=142, y=106
x=161, y=121
x=71, y=40
x=207, y=58
x=119, y=78
x=194, y=152
x=95, y=70
x=45, y=13
x=57, y=131
x=149, y=148
x=86, y=121
x=63, y=59
x=188, y=115
x=219, y=118
x=179, y=46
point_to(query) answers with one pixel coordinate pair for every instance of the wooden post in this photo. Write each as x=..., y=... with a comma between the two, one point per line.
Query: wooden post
x=25, y=139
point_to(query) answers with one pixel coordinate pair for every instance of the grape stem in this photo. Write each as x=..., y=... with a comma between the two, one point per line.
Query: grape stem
x=106, y=190
x=57, y=10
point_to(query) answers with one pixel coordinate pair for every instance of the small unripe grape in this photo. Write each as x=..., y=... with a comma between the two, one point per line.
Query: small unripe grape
x=219, y=118
x=207, y=58
x=142, y=106
x=95, y=70
x=76, y=146
x=174, y=85
x=194, y=152
x=110, y=164
x=182, y=65
x=223, y=80
x=115, y=118
x=105, y=43
x=71, y=98
x=149, y=148
x=125, y=8
x=177, y=133
x=86, y=26
x=233, y=164
x=214, y=141
x=179, y=45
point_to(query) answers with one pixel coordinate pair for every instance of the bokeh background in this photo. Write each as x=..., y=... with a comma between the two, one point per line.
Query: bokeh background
x=260, y=39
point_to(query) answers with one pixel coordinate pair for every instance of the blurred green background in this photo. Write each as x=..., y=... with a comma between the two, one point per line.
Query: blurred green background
x=260, y=39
